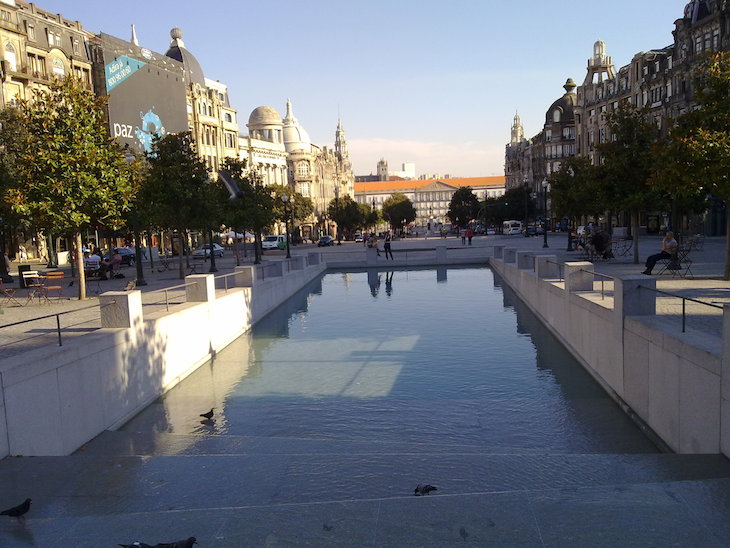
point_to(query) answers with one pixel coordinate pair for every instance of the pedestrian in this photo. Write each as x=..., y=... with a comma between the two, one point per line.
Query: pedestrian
x=386, y=246
x=669, y=249
x=22, y=253
x=470, y=234
x=462, y=233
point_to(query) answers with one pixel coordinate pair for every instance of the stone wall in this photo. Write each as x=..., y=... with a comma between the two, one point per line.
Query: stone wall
x=675, y=383
x=53, y=400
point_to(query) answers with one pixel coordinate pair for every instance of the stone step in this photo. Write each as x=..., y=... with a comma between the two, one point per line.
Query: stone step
x=90, y=484
x=126, y=443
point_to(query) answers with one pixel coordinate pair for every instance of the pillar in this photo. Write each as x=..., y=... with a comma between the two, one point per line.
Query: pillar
x=546, y=266
x=121, y=308
x=579, y=276
x=202, y=289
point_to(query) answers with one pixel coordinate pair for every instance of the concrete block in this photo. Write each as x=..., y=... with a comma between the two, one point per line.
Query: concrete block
x=201, y=288
x=498, y=251
x=121, y=308
x=296, y=263
x=579, y=276
x=525, y=260
x=699, y=404
x=441, y=253
x=314, y=259
x=245, y=276
x=371, y=255
x=509, y=254
x=664, y=388
x=634, y=296
x=546, y=266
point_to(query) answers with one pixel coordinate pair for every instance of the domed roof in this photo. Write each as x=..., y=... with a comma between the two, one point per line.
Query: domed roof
x=565, y=105
x=264, y=116
x=178, y=52
x=295, y=138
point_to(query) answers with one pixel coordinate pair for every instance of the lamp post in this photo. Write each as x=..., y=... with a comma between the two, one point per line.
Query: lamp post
x=375, y=222
x=545, y=189
x=337, y=209
x=285, y=199
x=4, y=274
x=140, y=281
x=526, y=197
x=212, y=268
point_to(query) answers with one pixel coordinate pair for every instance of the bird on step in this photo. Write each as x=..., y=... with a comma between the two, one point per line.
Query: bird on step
x=423, y=490
x=187, y=543
x=136, y=544
x=208, y=415
x=18, y=511
x=130, y=285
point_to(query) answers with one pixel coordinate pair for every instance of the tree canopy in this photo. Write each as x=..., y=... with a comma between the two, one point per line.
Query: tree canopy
x=399, y=210
x=464, y=206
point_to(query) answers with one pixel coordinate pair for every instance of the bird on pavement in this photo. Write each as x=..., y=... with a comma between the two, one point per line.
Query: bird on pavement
x=208, y=415
x=187, y=543
x=130, y=285
x=423, y=490
x=17, y=511
x=136, y=544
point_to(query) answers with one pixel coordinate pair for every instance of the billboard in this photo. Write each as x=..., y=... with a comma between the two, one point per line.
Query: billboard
x=146, y=92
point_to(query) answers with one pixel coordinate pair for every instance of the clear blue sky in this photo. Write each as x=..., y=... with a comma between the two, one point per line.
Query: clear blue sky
x=434, y=83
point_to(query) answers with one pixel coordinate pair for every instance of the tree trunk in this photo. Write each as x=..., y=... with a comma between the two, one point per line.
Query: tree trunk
x=727, y=246
x=257, y=248
x=635, y=234
x=80, y=267
x=235, y=248
x=181, y=252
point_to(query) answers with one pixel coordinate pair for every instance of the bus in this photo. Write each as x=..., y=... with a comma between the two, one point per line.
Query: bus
x=512, y=227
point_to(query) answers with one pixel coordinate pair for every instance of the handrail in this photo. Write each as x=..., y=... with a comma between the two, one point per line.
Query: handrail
x=225, y=278
x=57, y=315
x=166, y=290
x=561, y=268
x=684, y=302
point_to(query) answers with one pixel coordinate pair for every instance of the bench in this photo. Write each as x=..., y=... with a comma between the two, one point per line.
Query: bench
x=679, y=264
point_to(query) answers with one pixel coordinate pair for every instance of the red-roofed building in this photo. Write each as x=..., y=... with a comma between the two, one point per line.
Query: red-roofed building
x=430, y=197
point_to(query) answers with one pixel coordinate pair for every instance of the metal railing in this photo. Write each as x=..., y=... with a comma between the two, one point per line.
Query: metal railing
x=57, y=315
x=603, y=278
x=684, y=303
x=561, y=269
x=225, y=277
x=166, y=291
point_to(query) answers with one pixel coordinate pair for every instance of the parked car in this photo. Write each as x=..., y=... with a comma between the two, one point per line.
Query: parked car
x=127, y=254
x=325, y=241
x=358, y=237
x=204, y=251
x=274, y=242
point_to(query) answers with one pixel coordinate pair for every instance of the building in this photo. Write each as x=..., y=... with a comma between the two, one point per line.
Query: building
x=430, y=197
x=263, y=148
x=38, y=46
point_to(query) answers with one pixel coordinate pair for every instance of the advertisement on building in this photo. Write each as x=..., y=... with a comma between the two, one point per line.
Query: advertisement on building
x=146, y=92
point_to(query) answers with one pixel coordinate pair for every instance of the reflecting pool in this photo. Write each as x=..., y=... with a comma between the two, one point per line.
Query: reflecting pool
x=435, y=356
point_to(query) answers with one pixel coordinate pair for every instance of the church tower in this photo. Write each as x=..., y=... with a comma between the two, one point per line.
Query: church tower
x=518, y=132
x=600, y=65
x=341, y=143
x=382, y=170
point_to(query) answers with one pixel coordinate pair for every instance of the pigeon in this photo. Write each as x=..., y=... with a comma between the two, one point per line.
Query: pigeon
x=17, y=511
x=70, y=283
x=208, y=415
x=187, y=543
x=136, y=544
x=423, y=490
x=130, y=285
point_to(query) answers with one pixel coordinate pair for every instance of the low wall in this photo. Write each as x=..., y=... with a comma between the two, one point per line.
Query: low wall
x=54, y=400
x=676, y=383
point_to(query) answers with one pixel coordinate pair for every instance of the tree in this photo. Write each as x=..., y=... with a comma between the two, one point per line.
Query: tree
x=70, y=173
x=628, y=163
x=514, y=204
x=346, y=213
x=173, y=194
x=697, y=163
x=370, y=215
x=464, y=206
x=399, y=210
x=572, y=189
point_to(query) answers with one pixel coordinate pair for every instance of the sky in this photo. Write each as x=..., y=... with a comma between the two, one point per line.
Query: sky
x=414, y=81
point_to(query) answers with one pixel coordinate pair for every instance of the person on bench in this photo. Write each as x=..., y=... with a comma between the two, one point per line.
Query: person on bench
x=92, y=263
x=669, y=250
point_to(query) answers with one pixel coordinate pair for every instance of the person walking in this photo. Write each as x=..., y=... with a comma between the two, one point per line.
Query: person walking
x=462, y=233
x=386, y=246
x=669, y=249
x=469, y=234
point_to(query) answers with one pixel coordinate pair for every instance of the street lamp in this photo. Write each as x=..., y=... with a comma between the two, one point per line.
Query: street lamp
x=337, y=210
x=526, y=198
x=545, y=189
x=212, y=254
x=285, y=199
x=140, y=281
x=4, y=274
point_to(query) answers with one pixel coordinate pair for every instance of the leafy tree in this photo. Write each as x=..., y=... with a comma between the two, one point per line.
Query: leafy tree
x=346, y=213
x=697, y=163
x=628, y=163
x=514, y=204
x=370, y=215
x=464, y=206
x=399, y=210
x=572, y=189
x=69, y=173
x=173, y=193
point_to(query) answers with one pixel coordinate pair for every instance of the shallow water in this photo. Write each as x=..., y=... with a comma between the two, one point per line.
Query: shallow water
x=405, y=357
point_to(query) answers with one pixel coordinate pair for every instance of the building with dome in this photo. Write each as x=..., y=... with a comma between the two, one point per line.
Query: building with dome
x=212, y=120
x=281, y=152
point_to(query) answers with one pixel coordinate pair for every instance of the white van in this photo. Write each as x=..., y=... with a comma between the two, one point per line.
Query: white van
x=274, y=242
x=512, y=227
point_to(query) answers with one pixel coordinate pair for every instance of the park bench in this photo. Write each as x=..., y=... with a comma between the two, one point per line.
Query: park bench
x=679, y=264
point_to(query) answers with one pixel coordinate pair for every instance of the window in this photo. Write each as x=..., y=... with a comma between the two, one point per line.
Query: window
x=302, y=168
x=76, y=46
x=548, y=135
x=58, y=68
x=227, y=117
x=230, y=140
x=10, y=57
x=568, y=133
x=5, y=15
x=556, y=115
x=30, y=29
x=54, y=38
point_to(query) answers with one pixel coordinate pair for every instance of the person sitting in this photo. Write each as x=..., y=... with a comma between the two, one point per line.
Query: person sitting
x=601, y=243
x=92, y=262
x=669, y=250
x=115, y=262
